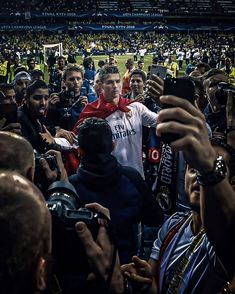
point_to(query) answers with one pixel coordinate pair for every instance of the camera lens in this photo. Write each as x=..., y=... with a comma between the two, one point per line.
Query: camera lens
x=65, y=193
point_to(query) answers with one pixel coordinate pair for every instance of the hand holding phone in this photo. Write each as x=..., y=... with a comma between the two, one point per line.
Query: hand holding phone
x=9, y=112
x=180, y=87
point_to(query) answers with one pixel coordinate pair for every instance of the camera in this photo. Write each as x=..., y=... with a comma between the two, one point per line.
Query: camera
x=65, y=207
x=50, y=159
x=66, y=98
x=222, y=92
x=40, y=179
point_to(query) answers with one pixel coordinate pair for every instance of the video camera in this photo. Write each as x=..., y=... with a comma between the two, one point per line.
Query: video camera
x=222, y=92
x=66, y=210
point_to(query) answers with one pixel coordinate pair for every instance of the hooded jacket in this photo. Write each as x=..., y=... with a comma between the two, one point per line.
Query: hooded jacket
x=122, y=190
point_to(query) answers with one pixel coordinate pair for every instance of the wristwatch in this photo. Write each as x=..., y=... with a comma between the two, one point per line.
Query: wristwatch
x=218, y=174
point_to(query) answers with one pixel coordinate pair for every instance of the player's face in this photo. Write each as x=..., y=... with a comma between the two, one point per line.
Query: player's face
x=112, y=87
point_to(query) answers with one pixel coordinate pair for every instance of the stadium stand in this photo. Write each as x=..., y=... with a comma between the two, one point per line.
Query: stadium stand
x=169, y=7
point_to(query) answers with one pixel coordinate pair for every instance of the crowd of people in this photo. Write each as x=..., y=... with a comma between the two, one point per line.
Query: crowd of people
x=117, y=5
x=125, y=193
x=31, y=44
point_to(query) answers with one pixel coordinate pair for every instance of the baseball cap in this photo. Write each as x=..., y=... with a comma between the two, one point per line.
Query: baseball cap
x=22, y=75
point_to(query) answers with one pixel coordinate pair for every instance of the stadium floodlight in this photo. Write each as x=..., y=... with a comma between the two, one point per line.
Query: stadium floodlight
x=48, y=49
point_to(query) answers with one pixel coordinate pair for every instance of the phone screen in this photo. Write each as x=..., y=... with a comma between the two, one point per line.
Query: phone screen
x=180, y=87
x=158, y=70
x=9, y=112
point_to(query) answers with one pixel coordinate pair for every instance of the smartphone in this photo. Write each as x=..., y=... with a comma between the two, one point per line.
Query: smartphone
x=83, y=91
x=158, y=70
x=9, y=112
x=183, y=88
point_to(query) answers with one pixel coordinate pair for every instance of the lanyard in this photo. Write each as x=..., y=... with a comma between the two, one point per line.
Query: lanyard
x=179, y=272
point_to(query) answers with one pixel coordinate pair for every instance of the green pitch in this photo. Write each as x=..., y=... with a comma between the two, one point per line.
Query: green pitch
x=121, y=59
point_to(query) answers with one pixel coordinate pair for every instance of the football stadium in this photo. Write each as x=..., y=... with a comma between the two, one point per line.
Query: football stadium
x=117, y=146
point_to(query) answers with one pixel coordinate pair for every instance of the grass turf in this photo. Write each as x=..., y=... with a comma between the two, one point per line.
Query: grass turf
x=121, y=59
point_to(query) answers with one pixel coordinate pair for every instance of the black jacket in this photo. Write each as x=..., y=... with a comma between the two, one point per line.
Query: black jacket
x=30, y=129
x=123, y=191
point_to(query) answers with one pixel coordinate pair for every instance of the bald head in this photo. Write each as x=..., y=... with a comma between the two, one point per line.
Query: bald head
x=16, y=153
x=25, y=230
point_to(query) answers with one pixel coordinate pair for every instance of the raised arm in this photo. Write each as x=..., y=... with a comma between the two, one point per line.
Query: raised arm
x=217, y=199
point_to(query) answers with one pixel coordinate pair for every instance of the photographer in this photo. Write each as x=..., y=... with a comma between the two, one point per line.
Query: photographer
x=20, y=159
x=215, y=111
x=43, y=169
x=220, y=112
x=66, y=106
x=25, y=250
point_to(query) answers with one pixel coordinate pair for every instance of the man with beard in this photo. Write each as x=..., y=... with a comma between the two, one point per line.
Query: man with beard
x=66, y=106
x=194, y=252
x=31, y=114
x=21, y=82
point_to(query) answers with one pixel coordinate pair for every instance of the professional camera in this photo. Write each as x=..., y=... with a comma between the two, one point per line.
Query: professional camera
x=65, y=208
x=222, y=92
x=66, y=98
